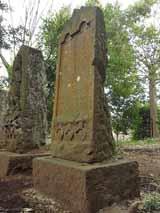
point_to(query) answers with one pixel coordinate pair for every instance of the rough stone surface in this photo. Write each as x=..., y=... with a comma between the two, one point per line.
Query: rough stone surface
x=81, y=125
x=13, y=163
x=3, y=105
x=3, y=109
x=86, y=188
x=26, y=121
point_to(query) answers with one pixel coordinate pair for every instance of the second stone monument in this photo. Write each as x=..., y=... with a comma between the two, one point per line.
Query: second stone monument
x=24, y=127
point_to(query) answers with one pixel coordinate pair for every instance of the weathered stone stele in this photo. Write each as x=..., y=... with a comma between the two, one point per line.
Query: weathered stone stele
x=81, y=125
x=26, y=121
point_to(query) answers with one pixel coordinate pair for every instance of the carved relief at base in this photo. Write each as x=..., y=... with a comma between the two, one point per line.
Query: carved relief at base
x=76, y=130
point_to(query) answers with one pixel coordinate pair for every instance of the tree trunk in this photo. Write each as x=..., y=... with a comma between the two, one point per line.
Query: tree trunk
x=153, y=108
x=5, y=63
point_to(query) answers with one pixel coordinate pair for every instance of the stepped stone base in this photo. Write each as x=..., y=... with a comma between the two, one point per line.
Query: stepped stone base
x=86, y=188
x=13, y=163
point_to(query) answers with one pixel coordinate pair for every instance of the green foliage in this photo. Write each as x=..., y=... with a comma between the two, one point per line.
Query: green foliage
x=139, y=11
x=141, y=128
x=121, y=74
x=48, y=41
x=152, y=202
x=93, y=3
x=123, y=80
x=147, y=48
x=124, y=112
x=141, y=122
x=133, y=142
x=146, y=42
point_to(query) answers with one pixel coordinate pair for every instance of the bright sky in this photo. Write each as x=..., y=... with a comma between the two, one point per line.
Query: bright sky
x=17, y=16
x=18, y=6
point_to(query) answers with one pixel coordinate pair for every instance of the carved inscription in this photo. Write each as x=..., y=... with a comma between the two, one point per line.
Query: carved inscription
x=70, y=131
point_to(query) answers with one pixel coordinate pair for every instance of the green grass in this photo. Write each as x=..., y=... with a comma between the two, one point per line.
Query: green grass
x=147, y=141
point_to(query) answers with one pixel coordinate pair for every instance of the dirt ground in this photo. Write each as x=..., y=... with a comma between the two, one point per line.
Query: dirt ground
x=17, y=195
x=11, y=199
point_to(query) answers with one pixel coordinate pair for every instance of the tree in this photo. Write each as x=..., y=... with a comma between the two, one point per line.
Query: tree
x=121, y=73
x=93, y=3
x=24, y=33
x=3, y=33
x=146, y=42
x=148, y=52
x=123, y=79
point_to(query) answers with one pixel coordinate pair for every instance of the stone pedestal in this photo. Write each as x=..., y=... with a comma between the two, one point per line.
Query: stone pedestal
x=86, y=188
x=13, y=163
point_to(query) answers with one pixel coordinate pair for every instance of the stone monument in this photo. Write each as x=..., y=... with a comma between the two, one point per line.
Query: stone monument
x=24, y=126
x=26, y=120
x=81, y=173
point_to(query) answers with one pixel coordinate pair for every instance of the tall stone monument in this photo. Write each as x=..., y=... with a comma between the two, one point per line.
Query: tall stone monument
x=25, y=124
x=81, y=172
x=81, y=129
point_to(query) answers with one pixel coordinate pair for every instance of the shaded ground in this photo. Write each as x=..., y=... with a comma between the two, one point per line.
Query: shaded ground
x=11, y=188
x=17, y=195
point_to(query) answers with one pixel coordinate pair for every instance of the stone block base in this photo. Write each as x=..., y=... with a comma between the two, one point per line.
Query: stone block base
x=86, y=188
x=13, y=163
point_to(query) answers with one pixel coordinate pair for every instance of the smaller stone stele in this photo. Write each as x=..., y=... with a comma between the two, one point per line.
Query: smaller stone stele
x=25, y=123
x=81, y=173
